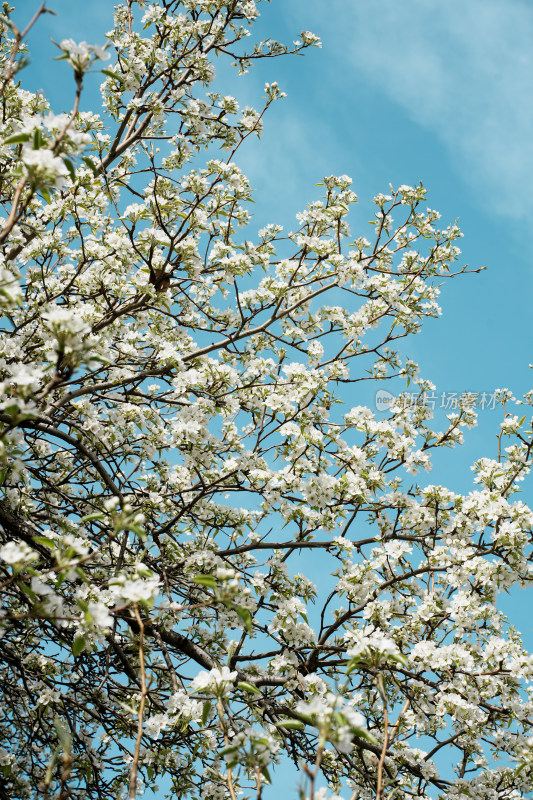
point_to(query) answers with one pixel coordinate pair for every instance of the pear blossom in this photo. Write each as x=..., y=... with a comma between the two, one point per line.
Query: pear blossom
x=80, y=54
x=212, y=551
x=43, y=166
x=215, y=681
x=16, y=553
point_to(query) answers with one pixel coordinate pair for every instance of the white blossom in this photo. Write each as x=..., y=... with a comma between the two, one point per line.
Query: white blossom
x=216, y=681
x=43, y=166
x=17, y=553
x=210, y=540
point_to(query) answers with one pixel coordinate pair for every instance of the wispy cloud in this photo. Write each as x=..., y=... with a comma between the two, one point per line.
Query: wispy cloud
x=463, y=69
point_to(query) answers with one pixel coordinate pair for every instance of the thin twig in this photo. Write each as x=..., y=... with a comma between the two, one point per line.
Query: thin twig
x=379, y=789
x=65, y=772
x=8, y=75
x=312, y=775
x=258, y=778
x=19, y=36
x=135, y=762
x=229, y=776
x=74, y=114
x=14, y=214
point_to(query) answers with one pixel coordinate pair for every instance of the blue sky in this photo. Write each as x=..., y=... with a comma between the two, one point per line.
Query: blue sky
x=402, y=91
x=437, y=92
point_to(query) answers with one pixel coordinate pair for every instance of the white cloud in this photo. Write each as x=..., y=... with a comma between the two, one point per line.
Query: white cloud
x=463, y=69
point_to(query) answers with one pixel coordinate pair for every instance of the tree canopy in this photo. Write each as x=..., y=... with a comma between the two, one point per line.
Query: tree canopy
x=183, y=439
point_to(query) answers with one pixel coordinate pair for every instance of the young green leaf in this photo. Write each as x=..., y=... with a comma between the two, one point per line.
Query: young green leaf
x=248, y=687
x=205, y=580
x=246, y=617
x=78, y=645
x=17, y=138
x=290, y=724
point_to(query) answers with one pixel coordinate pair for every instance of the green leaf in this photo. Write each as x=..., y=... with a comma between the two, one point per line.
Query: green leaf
x=266, y=773
x=340, y=718
x=290, y=724
x=12, y=410
x=50, y=769
x=16, y=138
x=362, y=733
x=90, y=517
x=246, y=617
x=139, y=530
x=248, y=687
x=115, y=75
x=61, y=577
x=63, y=734
x=205, y=580
x=90, y=163
x=44, y=540
x=400, y=659
x=78, y=645
x=205, y=712
x=70, y=166
x=353, y=663
x=81, y=574
x=38, y=140
x=27, y=591
x=232, y=748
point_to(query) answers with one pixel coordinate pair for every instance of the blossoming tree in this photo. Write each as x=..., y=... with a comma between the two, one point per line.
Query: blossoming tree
x=178, y=451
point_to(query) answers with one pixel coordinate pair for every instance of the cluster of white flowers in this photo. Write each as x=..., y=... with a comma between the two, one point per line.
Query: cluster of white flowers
x=141, y=586
x=216, y=681
x=176, y=447
x=10, y=291
x=340, y=721
x=44, y=167
x=81, y=55
x=371, y=644
x=17, y=553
